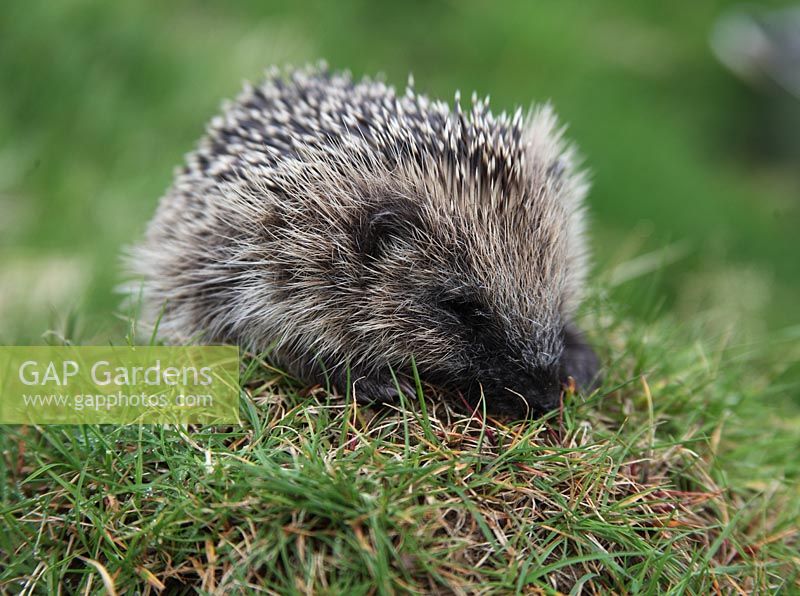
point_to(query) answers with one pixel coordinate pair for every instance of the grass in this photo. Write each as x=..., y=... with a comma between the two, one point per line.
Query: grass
x=659, y=482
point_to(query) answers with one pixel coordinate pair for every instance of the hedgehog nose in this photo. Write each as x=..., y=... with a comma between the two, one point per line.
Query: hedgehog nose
x=542, y=394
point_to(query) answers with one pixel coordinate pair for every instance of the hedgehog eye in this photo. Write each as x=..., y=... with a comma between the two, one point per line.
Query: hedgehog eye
x=467, y=310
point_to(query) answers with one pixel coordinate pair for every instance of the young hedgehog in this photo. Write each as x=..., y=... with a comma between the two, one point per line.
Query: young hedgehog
x=350, y=229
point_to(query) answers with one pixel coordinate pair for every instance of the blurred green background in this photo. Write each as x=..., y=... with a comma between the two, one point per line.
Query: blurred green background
x=100, y=100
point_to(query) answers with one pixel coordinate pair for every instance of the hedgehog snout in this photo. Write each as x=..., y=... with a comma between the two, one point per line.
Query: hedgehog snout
x=517, y=393
x=541, y=392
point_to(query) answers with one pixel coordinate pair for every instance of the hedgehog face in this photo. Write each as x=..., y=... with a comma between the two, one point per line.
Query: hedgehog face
x=516, y=373
x=510, y=346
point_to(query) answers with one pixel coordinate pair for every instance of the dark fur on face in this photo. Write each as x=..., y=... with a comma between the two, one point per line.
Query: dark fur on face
x=351, y=230
x=517, y=374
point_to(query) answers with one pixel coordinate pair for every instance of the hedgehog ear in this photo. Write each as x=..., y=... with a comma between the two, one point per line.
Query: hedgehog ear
x=579, y=360
x=385, y=223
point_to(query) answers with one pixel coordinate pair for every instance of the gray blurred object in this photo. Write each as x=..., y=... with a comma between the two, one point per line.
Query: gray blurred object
x=762, y=47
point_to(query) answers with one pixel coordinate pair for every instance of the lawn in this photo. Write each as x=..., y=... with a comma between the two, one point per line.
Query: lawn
x=679, y=473
x=659, y=482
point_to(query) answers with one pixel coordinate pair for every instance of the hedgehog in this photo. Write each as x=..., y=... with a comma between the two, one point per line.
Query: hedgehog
x=367, y=239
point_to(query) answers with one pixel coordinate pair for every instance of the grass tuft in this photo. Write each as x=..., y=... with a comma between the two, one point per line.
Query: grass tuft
x=642, y=487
